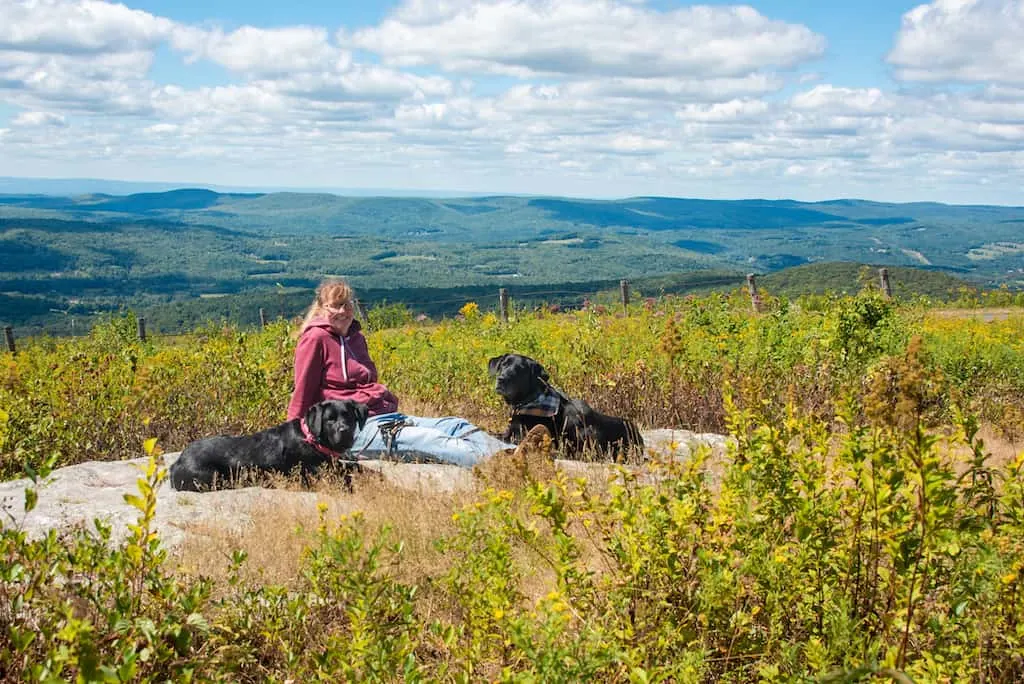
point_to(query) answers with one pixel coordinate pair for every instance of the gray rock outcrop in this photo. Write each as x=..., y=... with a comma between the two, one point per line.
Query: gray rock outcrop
x=78, y=494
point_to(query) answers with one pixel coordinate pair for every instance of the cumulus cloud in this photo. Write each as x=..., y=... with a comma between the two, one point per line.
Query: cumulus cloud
x=39, y=119
x=237, y=101
x=162, y=129
x=102, y=84
x=733, y=110
x=633, y=144
x=86, y=56
x=961, y=40
x=252, y=50
x=370, y=83
x=586, y=38
x=77, y=55
x=863, y=101
x=678, y=90
x=78, y=26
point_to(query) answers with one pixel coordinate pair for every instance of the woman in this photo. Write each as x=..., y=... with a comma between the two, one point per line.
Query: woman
x=332, y=362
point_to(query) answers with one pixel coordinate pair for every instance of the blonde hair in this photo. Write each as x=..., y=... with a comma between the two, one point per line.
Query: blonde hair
x=327, y=292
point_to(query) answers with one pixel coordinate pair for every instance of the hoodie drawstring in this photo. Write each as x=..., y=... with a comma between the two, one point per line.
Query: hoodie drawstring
x=344, y=361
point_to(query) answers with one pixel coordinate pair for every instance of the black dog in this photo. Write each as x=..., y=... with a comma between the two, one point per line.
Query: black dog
x=575, y=427
x=327, y=430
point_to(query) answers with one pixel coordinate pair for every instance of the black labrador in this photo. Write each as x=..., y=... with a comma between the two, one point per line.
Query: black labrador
x=322, y=435
x=575, y=427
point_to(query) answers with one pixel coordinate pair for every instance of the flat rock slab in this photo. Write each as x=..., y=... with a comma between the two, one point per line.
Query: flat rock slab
x=680, y=444
x=78, y=494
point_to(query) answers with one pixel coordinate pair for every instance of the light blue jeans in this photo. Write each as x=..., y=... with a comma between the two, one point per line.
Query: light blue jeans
x=451, y=440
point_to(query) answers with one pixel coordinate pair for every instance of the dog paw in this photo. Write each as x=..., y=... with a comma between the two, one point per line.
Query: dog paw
x=531, y=461
x=537, y=441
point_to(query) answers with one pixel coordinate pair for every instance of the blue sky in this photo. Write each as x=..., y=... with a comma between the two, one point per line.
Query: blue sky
x=801, y=99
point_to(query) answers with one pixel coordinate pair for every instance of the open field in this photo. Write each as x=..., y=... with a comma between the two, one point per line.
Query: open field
x=990, y=313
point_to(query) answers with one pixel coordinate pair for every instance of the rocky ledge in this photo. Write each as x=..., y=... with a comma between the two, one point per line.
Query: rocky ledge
x=76, y=495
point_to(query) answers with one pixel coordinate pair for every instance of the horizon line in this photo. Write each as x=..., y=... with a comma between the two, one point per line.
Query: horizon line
x=404, y=193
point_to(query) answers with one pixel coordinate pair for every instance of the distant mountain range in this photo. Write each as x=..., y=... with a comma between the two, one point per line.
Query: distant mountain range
x=104, y=249
x=656, y=213
x=86, y=186
x=983, y=242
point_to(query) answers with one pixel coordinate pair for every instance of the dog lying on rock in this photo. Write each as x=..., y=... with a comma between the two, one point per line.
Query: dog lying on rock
x=575, y=427
x=321, y=436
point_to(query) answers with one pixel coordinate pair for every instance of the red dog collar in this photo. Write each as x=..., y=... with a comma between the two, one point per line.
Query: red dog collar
x=311, y=440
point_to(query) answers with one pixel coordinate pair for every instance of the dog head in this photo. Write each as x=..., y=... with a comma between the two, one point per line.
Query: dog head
x=334, y=423
x=517, y=378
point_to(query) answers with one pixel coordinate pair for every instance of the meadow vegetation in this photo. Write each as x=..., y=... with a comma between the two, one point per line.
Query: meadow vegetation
x=858, y=528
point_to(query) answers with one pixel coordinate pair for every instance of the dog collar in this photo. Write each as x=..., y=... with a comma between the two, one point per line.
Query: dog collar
x=311, y=440
x=546, y=405
x=539, y=412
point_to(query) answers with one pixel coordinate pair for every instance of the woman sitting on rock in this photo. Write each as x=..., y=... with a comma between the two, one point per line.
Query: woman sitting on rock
x=332, y=362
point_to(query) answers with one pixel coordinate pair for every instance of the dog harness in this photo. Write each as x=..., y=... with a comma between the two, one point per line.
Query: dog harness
x=388, y=431
x=312, y=441
x=545, y=405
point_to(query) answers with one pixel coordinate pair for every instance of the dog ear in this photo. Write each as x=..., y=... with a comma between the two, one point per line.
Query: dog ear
x=359, y=409
x=492, y=365
x=315, y=419
x=538, y=371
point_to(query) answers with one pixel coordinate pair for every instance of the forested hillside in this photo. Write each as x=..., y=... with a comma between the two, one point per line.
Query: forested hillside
x=64, y=256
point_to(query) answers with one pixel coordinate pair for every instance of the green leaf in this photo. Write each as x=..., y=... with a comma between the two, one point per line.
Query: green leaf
x=135, y=501
x=31, y=499
x=197, y=620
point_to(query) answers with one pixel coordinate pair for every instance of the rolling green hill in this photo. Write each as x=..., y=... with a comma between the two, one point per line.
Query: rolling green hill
x=100, y=252
x=850, y=278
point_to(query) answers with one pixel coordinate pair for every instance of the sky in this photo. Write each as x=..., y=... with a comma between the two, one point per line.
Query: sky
x=803, y=99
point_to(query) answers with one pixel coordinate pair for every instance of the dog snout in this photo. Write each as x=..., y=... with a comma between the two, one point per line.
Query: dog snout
x=344, y=434
x=504, y=383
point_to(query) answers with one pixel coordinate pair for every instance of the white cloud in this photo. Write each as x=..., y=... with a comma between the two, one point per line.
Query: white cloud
x=364, y=83
x=78, y=26
x=240, y=102
x=629, y=143
x=251, y=50
x=866, y=101
x=101, y=84
x=80, y=56
x=733, y=110
x=162, y=129
x=679, y=90
x=582, y=38
x=39, y=119
x=962, y=40
x=932, y=132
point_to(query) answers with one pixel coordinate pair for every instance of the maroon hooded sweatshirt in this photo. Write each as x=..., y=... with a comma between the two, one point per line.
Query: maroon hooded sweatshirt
x=331, y=367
